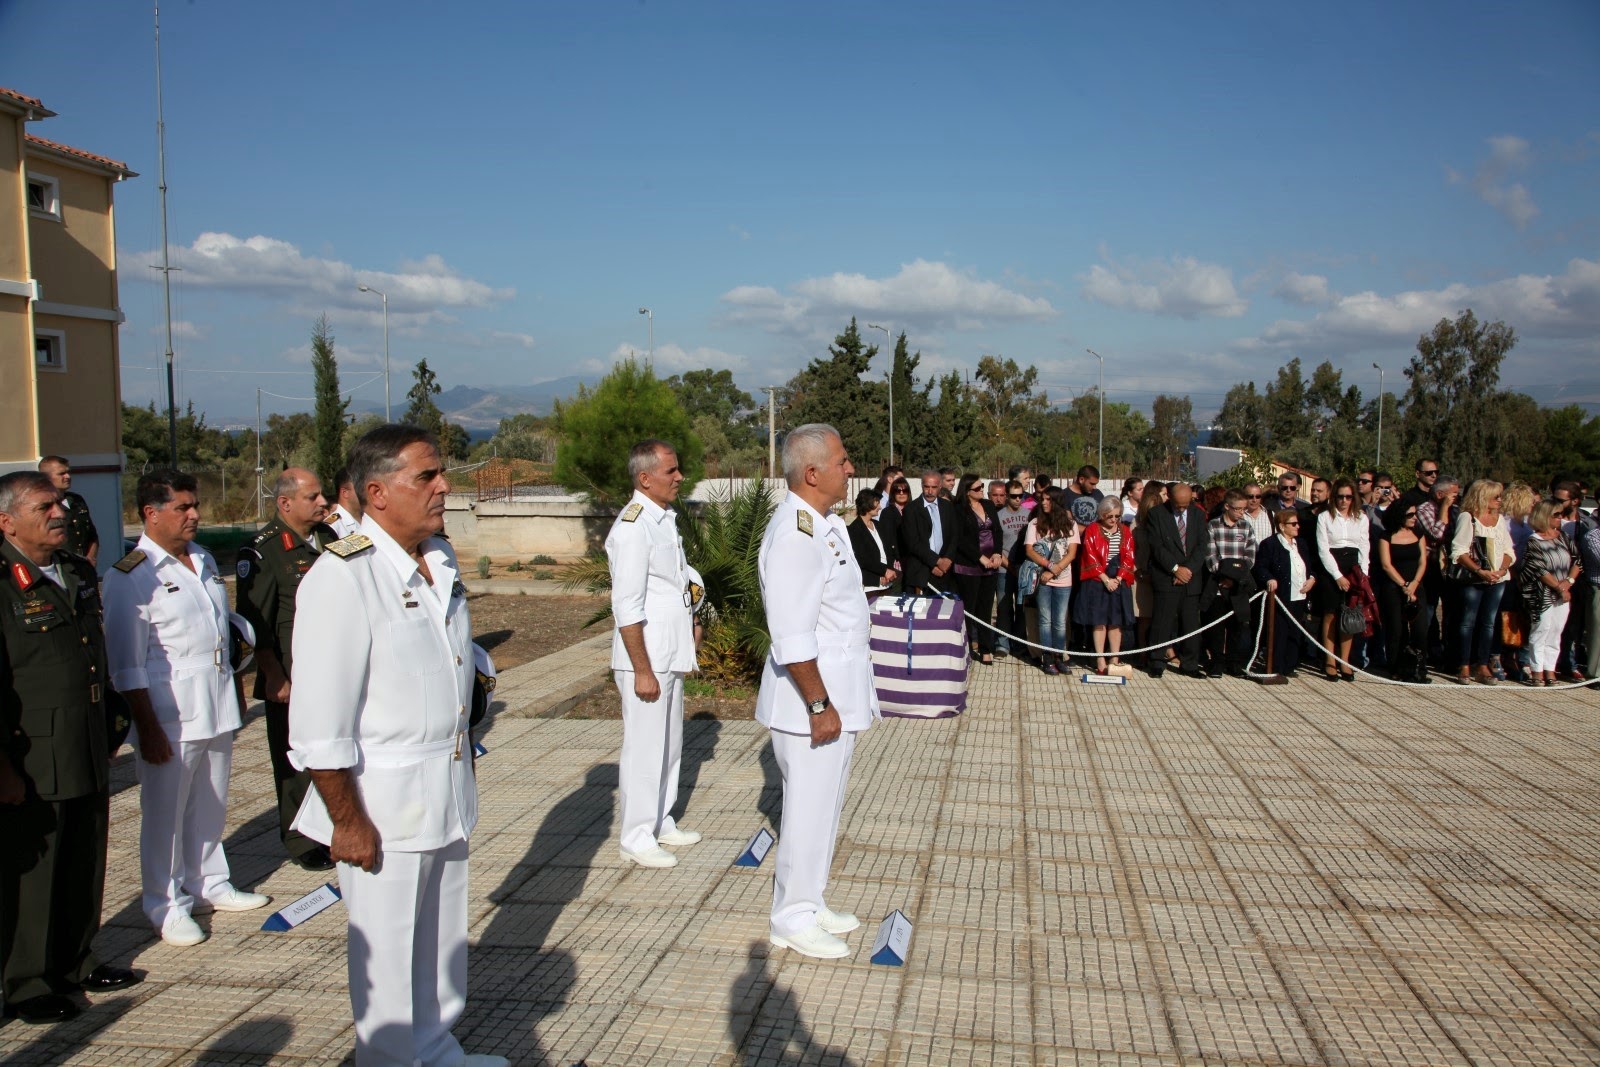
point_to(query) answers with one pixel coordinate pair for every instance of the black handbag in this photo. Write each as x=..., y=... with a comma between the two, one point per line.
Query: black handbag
x=1457, y=572
x=1352, y=620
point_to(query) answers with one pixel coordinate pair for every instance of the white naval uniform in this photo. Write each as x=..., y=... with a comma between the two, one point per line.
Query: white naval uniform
x=344, y=524
x=649, y=581
x=816, y=609
x=383, y=678
x=167, y=633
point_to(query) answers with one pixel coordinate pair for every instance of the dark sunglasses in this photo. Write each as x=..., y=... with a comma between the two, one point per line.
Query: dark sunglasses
x=1345, y=496
x=1290, y=522
x=1252, y=496
x=1014, y=496
x=902, y=492
x=1363, y=481
x=1426, y=473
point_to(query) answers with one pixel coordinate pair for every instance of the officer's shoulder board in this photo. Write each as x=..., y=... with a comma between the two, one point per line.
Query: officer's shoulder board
x=802, y=520
x=263, y=535
x=632, y=512
x=130, y=561
x=349, y=546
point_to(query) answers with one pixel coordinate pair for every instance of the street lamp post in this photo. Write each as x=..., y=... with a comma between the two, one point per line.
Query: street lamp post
x=650, y=320
x=1379, y=369
x=1101, y=445
x=888, y=340
x=772, y=431
x=388, y=412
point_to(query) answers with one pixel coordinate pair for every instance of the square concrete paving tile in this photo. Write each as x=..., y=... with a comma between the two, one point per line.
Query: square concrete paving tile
x=1384, y=1035
x=1094, y=961
x=294, y=1023
x=669, y=1036
x=1257, y=1031
x=974, y=1009
x=1111, y=1020
x=1220, y=971
x=181, y=1016
x=1518, y=1041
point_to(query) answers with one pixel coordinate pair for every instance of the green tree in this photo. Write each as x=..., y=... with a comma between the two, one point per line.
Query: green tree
x=832, y=391
x=1285, y=406
x=1453, y=409
x=910, y=404
x=949, y=437
x=1171, y=429
x=1008, y=408
x=1242, y=422
x=1127, y=438
x=423, y=410
x=599, y=426
x=288, y=441
x=524, y=436
x=331, y=407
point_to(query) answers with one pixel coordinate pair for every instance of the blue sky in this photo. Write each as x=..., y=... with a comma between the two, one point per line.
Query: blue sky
x=1198, y=192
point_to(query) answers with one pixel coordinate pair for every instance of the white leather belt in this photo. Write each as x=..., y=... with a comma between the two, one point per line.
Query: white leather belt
x=189, y=665
x=843, y=638
x=399, y=755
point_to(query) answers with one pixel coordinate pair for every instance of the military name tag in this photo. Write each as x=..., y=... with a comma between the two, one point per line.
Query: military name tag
x=459, y=589
x=893, y=940
x=312, y=904
x=756, y=850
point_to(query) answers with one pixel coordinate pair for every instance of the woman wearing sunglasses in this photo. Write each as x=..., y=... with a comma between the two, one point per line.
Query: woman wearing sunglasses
x=1342, y=549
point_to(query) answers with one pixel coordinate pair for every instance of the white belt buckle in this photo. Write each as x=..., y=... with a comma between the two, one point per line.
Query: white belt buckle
x=216, y=658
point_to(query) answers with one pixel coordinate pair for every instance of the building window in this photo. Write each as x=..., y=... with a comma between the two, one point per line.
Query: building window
x=50, y=349
x=44, y=197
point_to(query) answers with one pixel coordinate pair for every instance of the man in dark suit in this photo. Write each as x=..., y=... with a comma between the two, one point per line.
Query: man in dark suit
x=1177, y=545
x=927, y=533
x=54, y=782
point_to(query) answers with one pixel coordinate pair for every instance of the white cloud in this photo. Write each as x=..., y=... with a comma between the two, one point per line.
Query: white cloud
x=1512, y=199
x=923, y=294
x=182, y=330
x=266, y=266
x=669, y=359
x=1182, y=286
x=521, y=340
x=1537, y=305
x=1307, y=290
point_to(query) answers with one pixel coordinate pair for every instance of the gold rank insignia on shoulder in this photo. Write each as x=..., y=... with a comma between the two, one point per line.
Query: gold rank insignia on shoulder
x=632, y=512
x=802, y=519
x=693, y=594
x=130, y=561
x=349, y=546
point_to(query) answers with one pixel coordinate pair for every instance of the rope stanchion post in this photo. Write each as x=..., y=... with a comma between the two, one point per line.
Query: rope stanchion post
x=1272, y=677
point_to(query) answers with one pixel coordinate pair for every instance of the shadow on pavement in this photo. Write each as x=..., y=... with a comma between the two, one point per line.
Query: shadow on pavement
x=253, y=1041
x=778, y=1036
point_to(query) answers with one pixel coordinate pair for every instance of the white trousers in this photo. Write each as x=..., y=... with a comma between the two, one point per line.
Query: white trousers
x=652, y=753
x=814, y=779
x=183, y=804
x=407, y=956
x=1544, y=640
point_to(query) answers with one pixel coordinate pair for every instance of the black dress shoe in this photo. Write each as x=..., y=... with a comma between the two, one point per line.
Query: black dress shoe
x=42, y=1010
x=1196, y=673
x=1157, y=670
x=315, y=860
x=105, y=978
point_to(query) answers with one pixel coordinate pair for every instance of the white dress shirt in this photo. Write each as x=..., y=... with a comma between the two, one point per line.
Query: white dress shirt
x=649, y=584
x=1336, y=531
x=344, y=524
x=382, y=682
x=167, y=633
x=816, y=609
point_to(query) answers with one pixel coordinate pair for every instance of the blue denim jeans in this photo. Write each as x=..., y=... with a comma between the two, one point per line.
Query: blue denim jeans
x=1480, y=615
x=1053, y=615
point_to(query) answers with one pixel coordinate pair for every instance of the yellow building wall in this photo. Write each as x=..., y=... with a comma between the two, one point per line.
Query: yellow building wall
x=13, y=202
x=73, y=258
x=18, y=443
x=78, y=411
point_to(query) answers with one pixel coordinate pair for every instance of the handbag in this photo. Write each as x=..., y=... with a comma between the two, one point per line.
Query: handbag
x=1457, y=572
x=1028, y=578
x=1513, y=628
x=1352, y=620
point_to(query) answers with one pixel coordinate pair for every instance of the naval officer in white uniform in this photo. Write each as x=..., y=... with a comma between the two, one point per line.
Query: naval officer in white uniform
x=654, y=594
x=816, y=688
x=167, y=645
x=383, y=677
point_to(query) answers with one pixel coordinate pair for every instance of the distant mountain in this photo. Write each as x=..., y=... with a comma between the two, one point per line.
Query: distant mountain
x=479, y=411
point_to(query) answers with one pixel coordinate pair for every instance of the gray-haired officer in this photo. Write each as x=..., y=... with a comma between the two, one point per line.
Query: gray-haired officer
x=654, y=593
x=54, y=785
x=816, y=688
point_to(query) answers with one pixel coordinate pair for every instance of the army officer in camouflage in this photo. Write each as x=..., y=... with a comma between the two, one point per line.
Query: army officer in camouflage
x=270, y=569
x=54, y=787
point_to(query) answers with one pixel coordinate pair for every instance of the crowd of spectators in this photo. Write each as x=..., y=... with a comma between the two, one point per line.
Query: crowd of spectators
x=1482, y=583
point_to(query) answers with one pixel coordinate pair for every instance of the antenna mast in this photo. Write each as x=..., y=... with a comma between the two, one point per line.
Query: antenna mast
x=166, y=267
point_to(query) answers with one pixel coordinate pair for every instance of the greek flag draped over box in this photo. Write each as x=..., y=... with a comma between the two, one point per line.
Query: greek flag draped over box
x=919, y=656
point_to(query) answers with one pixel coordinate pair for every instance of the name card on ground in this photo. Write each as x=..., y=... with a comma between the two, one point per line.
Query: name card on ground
x=894, y=939
x=478, y=749
x=756, y=850
x=313, y=903
x=1105, y=679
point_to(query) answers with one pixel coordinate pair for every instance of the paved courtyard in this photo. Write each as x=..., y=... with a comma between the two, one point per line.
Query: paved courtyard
x=1172, y=872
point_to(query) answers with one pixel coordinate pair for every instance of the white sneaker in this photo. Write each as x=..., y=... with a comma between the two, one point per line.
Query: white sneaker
x=483, y=1059
x=814, y=942
x=680, y=836
x=234, y=900
x=182, y=932
x=651, y=857
x=837, y=922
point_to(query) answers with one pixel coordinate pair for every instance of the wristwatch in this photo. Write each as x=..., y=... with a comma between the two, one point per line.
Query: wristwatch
x=817, y=707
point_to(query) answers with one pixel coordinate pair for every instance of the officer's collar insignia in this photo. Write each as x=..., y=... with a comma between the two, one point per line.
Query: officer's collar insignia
x=349, y=546
x=459, y=589
x=288, y=541
x=802, y=519
x=632, y=512
x=130, y=561
x=23, y=576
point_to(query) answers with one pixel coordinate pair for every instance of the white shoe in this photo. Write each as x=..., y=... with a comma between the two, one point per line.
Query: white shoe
x=234, y=900
x=182, y=932
x=814, y=942
x=483, y=1059
x=837, y=922
x=651, y=857
x=680, y=836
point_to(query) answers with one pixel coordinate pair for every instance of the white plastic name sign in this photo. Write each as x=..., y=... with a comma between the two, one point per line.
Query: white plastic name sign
x=313, y=903
x=893, y=940
x=1105, y=679
x=756, y=850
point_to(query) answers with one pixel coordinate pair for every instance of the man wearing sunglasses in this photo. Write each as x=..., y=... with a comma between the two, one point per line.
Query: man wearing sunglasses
x=1289, y=495
x=1427, y=477
x=1259, y=518
x=1008, y=497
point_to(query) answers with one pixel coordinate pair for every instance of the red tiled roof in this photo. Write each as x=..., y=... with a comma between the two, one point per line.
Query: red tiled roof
x=78, y=153
x=29, y=101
